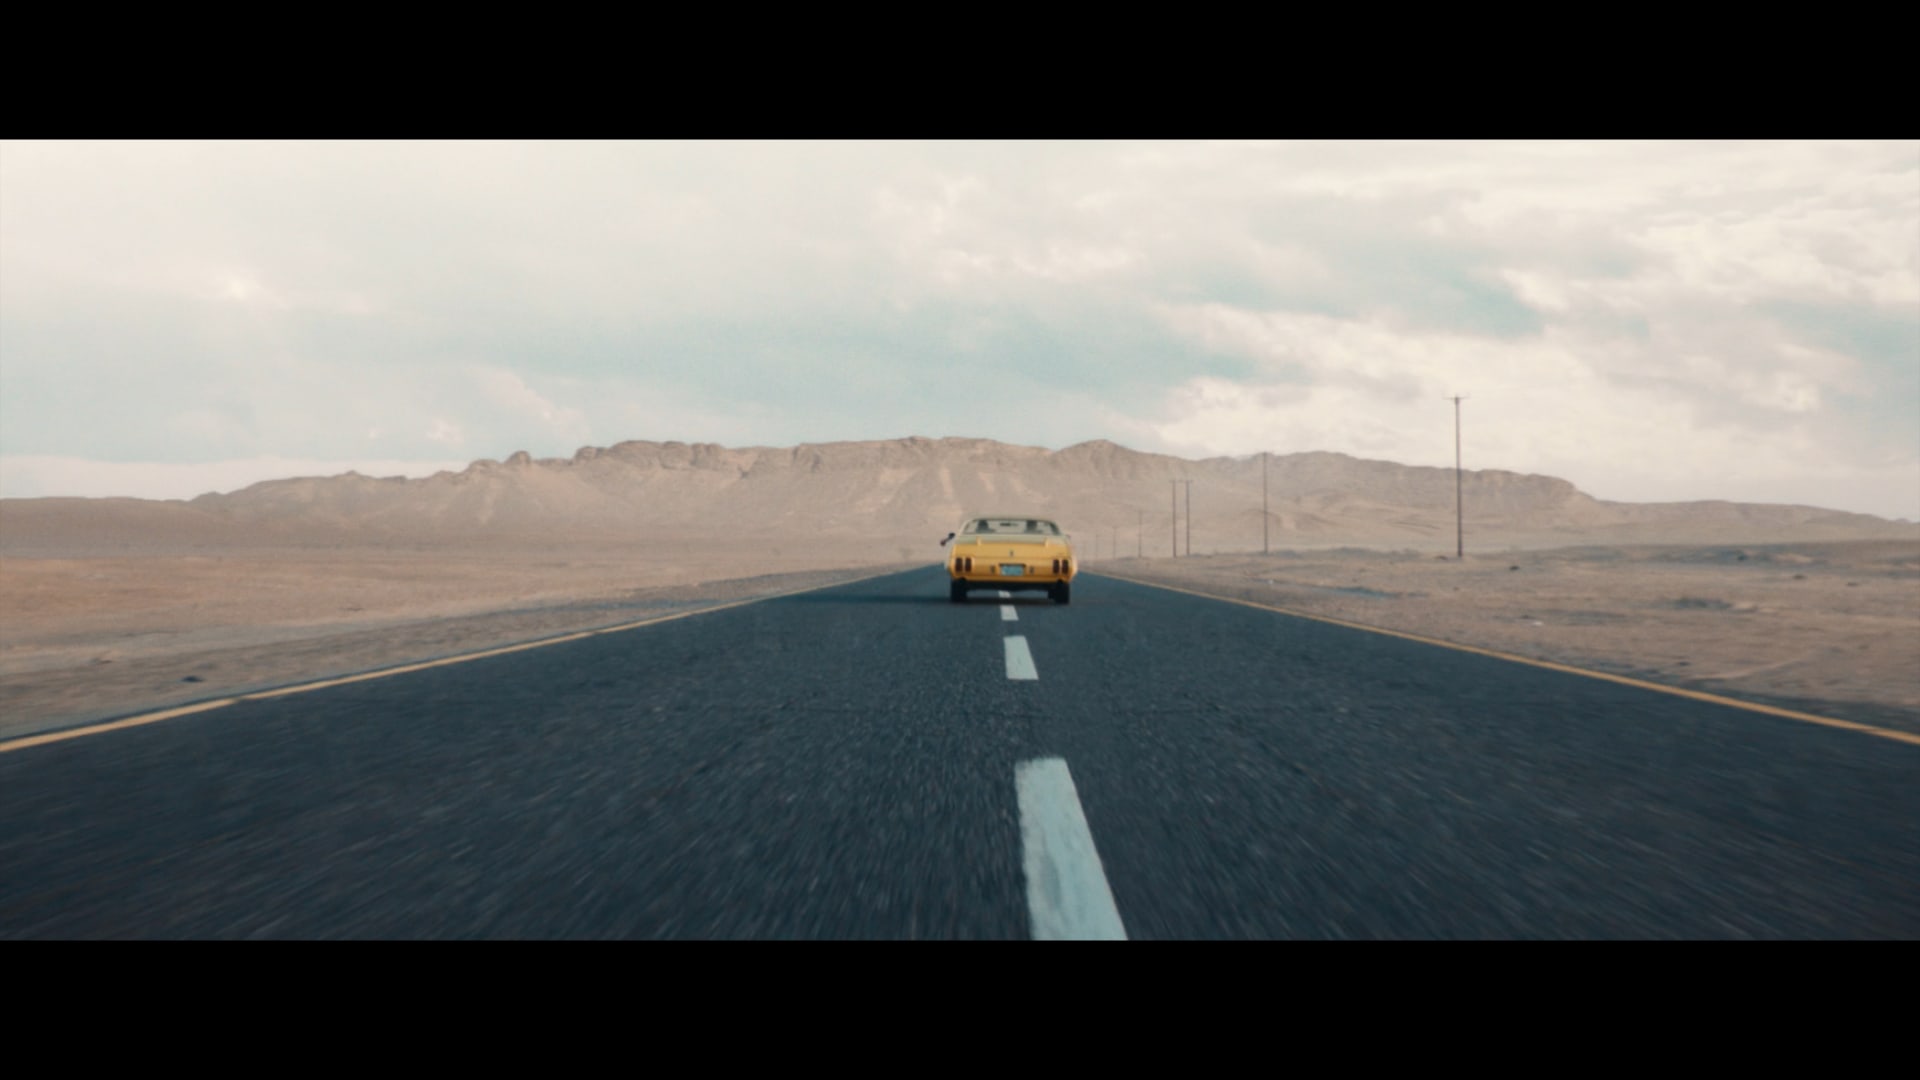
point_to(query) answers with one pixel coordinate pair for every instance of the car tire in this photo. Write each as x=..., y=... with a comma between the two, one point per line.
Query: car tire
x=957, y=592
x=1063, y=593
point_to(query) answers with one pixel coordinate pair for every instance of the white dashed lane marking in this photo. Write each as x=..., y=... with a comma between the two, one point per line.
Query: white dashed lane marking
x=1007, y=613
x=1068, y=897
x=1019, y=660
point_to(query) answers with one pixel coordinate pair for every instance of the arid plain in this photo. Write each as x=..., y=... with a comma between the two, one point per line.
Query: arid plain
x=113, y=607
x=1828, y=628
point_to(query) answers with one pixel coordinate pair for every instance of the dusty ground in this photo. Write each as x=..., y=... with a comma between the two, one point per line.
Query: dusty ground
x=1830, y=628
x=1827, y=628
x=85, y=639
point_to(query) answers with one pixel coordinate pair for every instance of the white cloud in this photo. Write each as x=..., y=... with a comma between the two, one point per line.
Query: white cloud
x=1393, y=364
x=1625, y=422
x=445, y=431
x=233, y=300
x=508, y=389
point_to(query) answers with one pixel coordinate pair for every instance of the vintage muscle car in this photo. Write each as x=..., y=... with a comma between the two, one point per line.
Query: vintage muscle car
x=1017, y=553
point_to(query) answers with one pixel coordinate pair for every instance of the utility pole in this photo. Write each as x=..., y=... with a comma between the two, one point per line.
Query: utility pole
x=1459, y=514
x=1189, y=484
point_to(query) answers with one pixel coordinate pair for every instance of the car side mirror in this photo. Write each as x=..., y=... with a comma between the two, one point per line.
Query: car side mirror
x=950, y=536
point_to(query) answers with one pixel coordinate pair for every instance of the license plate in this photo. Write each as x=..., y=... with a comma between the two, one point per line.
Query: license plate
x=1012, y=571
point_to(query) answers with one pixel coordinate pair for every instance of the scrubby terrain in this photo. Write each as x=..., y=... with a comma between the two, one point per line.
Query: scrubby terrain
x=116, y=605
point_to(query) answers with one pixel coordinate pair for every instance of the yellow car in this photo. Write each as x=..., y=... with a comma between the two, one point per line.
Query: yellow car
x=1023, y=554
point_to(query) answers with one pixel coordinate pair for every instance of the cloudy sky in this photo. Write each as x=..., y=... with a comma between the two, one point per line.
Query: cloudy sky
x=1651, y=321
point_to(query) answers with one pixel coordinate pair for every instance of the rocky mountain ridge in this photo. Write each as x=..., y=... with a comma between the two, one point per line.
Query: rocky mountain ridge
x=903, y=491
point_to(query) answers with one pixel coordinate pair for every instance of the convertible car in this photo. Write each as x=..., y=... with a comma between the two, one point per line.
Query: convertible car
x=1023, y=554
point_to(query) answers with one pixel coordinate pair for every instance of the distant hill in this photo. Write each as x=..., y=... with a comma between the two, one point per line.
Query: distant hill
x=906, y=494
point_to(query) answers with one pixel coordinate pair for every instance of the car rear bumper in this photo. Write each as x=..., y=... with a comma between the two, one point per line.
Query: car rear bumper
x=1011, y=582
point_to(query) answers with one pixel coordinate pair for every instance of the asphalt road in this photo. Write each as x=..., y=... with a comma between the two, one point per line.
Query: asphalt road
x=872, y=761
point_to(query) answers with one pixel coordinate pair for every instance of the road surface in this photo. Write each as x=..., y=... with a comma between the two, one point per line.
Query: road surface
x=873, y=761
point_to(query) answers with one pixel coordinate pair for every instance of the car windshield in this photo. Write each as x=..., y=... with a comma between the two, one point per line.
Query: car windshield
x=1012, y=527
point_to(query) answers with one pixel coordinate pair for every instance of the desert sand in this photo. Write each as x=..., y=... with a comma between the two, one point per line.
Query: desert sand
x=1828, y=628
x=110, y=607
x=87, y=639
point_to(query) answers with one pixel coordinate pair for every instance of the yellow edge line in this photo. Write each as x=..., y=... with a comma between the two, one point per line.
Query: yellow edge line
x=184, y=710
x=114, y=725
x=1697, y=695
